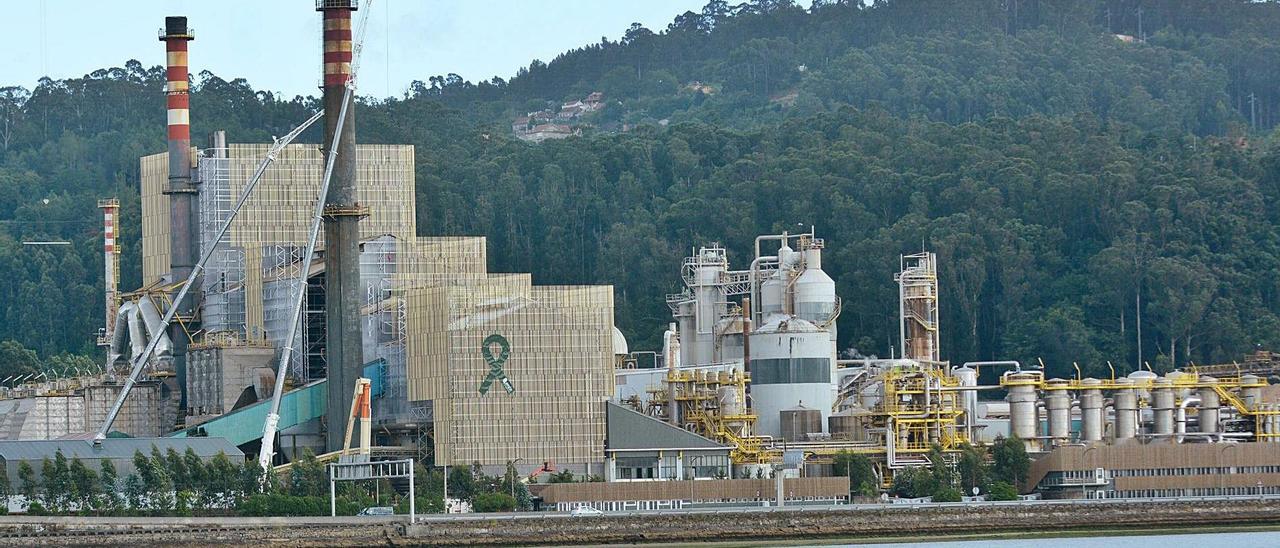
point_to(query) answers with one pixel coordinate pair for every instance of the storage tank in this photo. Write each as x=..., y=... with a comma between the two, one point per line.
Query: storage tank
x=847, y=424
x=814, y=291
x=688, y=329
x=1209, y=404
x=799, y=421
x=1091, y=411
x=1023, y=419
x=772, y=293
x=1141, y=380
x=1126, y=407
x=1058, y=404
x=1250, y=390
x=791, y=362
x=968, y=377
x=1162, y=407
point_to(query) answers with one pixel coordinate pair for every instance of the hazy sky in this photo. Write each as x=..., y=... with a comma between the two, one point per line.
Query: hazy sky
x=275, y=44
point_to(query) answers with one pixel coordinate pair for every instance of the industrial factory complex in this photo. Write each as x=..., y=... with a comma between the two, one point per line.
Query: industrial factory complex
x=261, y=352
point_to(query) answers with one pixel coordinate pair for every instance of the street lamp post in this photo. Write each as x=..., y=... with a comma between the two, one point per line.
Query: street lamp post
x=512, y=465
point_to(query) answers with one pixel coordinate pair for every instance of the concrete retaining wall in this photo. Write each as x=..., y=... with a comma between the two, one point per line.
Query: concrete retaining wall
x=898, y=521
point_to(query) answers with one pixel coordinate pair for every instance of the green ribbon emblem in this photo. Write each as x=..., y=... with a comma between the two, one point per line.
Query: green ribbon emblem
x=496, y=373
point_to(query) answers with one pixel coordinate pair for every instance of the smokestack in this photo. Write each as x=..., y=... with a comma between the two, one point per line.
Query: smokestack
x=111, y=261
x=344, y=351
x=184, y=243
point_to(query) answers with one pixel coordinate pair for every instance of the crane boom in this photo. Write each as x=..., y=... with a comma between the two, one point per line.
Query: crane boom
x=269, y=427
x=136, y=368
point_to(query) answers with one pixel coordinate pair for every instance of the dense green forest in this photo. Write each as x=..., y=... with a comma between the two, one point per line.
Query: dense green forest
x=1070, y=179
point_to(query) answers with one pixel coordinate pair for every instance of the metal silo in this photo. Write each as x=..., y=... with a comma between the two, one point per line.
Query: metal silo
x=790, y=364
x=800, y=421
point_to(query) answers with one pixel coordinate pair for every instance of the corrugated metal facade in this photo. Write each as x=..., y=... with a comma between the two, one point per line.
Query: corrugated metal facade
x=429, y=303
x=560, y=364
x=279, y=212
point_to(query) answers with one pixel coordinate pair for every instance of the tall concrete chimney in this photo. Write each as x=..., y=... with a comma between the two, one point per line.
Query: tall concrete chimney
x=184, y=241
x=344, y=352
x=183, y=245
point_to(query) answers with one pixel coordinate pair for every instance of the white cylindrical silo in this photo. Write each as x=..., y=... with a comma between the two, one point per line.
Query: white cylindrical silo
x=1023, y=419
x=1091, y=405
x=1250, y=390
x=1162, y=407
x=968, y=377
x=791, y=365
x=814, y=291
x=1126, y=408
x=1209, y=403
x=1058, y=404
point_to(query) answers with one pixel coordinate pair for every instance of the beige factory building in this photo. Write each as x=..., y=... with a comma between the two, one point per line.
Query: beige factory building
x=1158, y=470
x=430, y=304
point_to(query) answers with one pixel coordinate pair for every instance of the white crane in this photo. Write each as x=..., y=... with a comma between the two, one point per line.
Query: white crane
x=267, y=451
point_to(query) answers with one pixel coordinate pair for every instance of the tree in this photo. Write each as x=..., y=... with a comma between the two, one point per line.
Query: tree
x=943, y=475
x=17, y=360
x=307, y=477
x=197, y=477
x=947, y=494
x=462, y=483
x=110, y=485
x=86, y=488
x=159, y=482
x=563, y=476
x=176, y=465
x=972, y=465
x=913, y=482
x=222, y=482
x=1003, y=491
x=860, y=471
x=28, y=487
x=1010, y=462
x=493, y=502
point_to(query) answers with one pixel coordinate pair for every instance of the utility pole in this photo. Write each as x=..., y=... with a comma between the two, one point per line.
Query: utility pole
x=1141, y=37
x=1253, y=111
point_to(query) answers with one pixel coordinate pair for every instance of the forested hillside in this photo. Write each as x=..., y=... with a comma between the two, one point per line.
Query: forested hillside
x=1063, y=173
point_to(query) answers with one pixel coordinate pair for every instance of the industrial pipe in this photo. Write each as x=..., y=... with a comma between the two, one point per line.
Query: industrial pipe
x=1181, y=428
x=155, y=328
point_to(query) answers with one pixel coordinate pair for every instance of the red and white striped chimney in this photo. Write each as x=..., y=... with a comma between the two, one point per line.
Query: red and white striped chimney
x=111, y=259
x=337, y=41
x=183, y=244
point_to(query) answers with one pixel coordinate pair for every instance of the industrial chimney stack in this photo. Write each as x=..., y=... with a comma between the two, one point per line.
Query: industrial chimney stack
x=342, y=213
x=184, y=243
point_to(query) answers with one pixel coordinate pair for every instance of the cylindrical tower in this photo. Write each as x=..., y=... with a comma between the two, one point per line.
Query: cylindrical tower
x=968, y=377
x=1022, y=406
x=814, y=290
x=1162, y=407
x=1209, y=403
x=772, y=293
x=790, y=365
x=918, y=307
x=184, y=240
x=1091, y=411
x=1126, y=407
x=1058, y=404
x=183, y=243
x=110, y=260
x=344, y=351
x=1250, y=390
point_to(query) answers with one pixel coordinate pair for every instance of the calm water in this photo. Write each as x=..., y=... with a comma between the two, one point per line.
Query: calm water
x=1266, y=539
